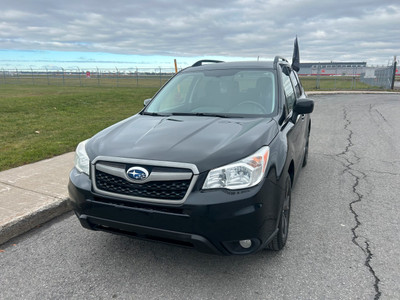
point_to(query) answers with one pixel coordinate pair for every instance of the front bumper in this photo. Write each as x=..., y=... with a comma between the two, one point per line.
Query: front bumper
x=209, y=221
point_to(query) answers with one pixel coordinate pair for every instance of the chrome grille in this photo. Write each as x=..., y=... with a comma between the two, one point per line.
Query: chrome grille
x=167, y=182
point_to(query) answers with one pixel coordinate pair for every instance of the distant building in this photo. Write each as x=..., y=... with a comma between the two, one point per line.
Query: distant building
x=332, y=68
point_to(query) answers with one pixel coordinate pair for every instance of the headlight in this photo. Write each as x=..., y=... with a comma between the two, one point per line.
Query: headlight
x=81, y=159
x=242, y=174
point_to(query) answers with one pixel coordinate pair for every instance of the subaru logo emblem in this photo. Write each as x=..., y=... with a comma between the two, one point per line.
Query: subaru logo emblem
x=137, y=173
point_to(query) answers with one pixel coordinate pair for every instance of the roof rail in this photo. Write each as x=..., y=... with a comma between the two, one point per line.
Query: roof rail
x=277, y=58
x=200, y=62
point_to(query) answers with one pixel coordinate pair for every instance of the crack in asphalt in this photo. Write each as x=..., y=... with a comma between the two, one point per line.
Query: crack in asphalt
x=372, y=106
x=384, y=173
x=358, y=176
x=334, y=156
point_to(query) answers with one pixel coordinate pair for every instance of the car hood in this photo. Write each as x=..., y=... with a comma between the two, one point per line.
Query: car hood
x=207, y=142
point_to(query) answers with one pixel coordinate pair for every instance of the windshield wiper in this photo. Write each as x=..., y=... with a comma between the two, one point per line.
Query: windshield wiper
x=155, y=114
x=213, y=115
x=204, y=115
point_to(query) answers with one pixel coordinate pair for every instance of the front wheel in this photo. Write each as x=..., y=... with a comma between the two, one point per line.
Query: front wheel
x=280, y=239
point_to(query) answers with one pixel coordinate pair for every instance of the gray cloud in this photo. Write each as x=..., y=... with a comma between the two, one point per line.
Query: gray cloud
x=327, y=30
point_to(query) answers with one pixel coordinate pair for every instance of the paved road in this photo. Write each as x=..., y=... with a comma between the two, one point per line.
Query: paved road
x=344, y=241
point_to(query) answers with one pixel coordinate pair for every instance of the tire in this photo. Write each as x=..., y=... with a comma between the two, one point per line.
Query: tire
x=305, y=159
x=280, y=239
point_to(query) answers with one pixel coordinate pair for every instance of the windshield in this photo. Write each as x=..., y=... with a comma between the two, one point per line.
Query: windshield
x=225, y=93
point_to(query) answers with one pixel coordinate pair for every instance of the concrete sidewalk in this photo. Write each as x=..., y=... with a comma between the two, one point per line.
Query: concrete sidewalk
x=33, y=194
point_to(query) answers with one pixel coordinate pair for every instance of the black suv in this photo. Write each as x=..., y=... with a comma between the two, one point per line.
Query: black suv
x=209, y=163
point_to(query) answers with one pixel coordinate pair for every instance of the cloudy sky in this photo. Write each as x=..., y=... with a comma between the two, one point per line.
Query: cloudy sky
x=133, y=33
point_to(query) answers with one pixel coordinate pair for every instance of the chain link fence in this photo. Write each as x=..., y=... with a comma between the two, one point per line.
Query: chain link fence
x=348, y=76
x=318, y=76
x=381, y=77
x=149, y=77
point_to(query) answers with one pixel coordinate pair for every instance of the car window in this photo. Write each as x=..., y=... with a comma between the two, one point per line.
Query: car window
x=177, y=94
x=289, y=91
x=296, y=84
x=230, y=92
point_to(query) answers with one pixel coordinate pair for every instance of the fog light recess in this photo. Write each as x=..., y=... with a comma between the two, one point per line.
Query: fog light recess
x=242, y=246
x=246, y=244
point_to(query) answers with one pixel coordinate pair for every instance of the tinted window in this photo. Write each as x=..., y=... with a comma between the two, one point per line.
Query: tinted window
x=289, y=92
x=296, y=84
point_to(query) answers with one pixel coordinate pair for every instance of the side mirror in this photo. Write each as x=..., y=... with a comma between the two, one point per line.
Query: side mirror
x=146, y=102
x=303, y=106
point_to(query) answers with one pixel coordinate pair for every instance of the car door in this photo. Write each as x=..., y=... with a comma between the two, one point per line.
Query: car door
x=296, y=125
x=302, y=119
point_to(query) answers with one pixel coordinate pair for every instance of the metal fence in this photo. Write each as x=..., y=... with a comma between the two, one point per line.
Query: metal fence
x=337, y=76
x=317, y=77
x=88, y=77
x=381, y=77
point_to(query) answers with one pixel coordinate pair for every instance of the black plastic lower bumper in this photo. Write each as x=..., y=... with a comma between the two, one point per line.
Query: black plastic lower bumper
x=147, y=233
x=213, y=221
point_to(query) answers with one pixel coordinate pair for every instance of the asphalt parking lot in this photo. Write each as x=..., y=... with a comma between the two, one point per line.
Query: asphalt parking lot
x=343, y=243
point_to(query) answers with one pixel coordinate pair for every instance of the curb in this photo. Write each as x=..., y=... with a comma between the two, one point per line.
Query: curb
x=33, y=219
x=350, y=92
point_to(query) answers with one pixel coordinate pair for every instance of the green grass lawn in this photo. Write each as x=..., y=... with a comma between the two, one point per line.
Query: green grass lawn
x=39, y=122
x=332, y=83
